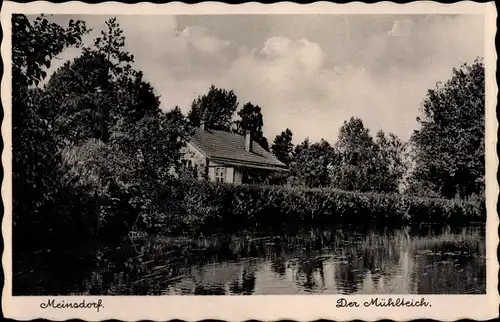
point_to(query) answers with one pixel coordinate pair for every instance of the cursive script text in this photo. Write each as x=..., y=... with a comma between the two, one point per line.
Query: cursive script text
x=384, y=302
x=51, y=303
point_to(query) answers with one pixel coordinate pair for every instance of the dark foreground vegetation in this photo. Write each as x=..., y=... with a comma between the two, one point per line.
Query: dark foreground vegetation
x=93, y=154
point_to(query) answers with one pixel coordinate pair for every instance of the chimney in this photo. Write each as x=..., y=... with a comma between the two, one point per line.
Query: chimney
x=203, y=118
x=248, y=141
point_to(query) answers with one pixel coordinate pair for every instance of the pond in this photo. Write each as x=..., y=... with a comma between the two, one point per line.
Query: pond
x=405, y=261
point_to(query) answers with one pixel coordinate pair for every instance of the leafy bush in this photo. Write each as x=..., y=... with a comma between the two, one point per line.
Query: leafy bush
x=206, y=207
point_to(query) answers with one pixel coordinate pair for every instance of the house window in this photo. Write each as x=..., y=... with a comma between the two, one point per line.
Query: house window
x=220, y=174
x=188, y=164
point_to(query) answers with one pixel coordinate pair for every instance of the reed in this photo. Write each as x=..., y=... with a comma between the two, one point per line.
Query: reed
x=223, y=208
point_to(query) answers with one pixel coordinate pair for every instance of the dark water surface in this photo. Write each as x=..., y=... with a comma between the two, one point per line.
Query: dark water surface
x=427, y=261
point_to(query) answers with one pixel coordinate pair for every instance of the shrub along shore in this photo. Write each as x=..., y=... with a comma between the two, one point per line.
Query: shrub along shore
x=205, y=207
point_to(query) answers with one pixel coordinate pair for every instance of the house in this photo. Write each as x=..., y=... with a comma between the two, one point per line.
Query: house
x=231, y=158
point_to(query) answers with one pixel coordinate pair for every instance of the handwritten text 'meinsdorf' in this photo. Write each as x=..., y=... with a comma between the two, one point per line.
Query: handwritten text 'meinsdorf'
x=51, y=303
x=383, y=302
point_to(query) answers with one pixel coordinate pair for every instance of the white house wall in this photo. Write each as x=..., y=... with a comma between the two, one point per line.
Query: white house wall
x=211, y=174
x=237, y=176
x=230, y=175
x=197, y=158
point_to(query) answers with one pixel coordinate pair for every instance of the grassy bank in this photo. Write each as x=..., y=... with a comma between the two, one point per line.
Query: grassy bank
x=197, y=206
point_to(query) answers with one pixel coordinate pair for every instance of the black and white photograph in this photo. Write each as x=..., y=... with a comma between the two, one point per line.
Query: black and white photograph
x=248, y=154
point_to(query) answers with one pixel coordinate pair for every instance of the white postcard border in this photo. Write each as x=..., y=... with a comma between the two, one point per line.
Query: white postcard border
x=239, y=308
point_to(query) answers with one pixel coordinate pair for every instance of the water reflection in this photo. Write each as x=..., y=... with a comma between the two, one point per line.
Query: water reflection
x=402, y=261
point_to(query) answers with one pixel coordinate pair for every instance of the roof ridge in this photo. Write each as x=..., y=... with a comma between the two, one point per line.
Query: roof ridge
x=228, y=144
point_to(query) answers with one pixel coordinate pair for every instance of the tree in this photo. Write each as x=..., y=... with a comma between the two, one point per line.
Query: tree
x=310, y=164
x=74, y=176
x=35, y=159
x=264, y=143
x=136, y=98
x=136, y=132
x=37, y=216
x=216, y=108
x=251, y=120
x=126, y=175
x=282, y=146
x=392, y=162
x=71, y=99
x=86, y=98
x=109, y=48
x=449, y=146
x=356, y=166
x=156, y=139
x=364, y=164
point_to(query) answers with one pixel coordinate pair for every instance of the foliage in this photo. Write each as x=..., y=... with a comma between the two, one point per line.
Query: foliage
x=309, y=167
x=216, y=108
x=282, y=146
x=35, y=161
x=251, y=120
x=393, y=162
x=121, y=170
x=449, y=146
x=209, y=207
x=90, y=147
x=70, y=101
x=356, y=162
x=364, y=164
x=44, y=212
x=34, y=44
x=86, y=98
x=356, y=166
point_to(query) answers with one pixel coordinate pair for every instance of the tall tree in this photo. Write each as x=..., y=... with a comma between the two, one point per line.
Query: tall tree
x=392, y=162
x=251, y=119
x=137, y=132
x=38, y=219
x=216, y=108
x=356, y=165
x=71, y=98
x=282, y=146
x=85, y=98
x=365, y=164
x=113, y=63
x=35, y=153
x=117, y=63
x=449, y=146
x=310, y=164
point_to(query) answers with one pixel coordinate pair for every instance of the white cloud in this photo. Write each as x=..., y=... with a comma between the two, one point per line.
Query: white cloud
x=296, y=89
x=199, y=38
x=305, y=80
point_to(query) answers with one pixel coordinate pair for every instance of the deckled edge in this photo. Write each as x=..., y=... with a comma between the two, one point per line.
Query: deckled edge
x=492, y=161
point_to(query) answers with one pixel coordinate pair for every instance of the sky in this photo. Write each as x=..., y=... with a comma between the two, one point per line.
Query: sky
x=308, y=73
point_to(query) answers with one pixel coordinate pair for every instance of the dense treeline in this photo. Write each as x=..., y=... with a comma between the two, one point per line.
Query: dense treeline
x=93, y=155
x=443, y=158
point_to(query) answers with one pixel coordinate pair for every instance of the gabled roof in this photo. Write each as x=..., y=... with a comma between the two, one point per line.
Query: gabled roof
x=229, y=148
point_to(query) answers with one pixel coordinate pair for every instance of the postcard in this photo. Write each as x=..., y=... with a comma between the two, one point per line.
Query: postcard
x=253, y=161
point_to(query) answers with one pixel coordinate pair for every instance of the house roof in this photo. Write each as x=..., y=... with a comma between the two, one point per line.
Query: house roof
x=229, y=148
